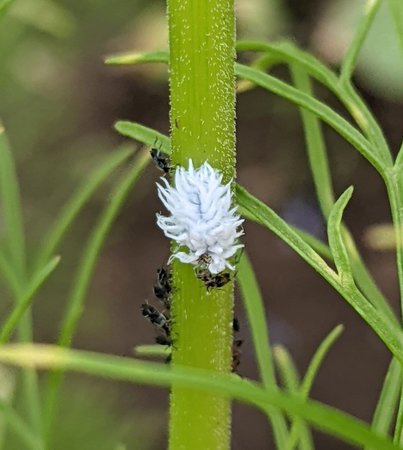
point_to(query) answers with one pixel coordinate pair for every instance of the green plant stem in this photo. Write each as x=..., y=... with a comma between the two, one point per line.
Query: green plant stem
x=202, y=94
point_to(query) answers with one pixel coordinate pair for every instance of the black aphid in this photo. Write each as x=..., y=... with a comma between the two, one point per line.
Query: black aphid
x=163, y=340
x=161, y=160
x=235, y=325
x=156, y=318
x=236, y=353
x=163, y=288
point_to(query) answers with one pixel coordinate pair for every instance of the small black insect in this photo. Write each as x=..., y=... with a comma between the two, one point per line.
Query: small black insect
x=163, y=288
x=156, y=318
x=161, y=160
x=213, y=281
x=235, y=325
x=163, y=340
x=236, y=353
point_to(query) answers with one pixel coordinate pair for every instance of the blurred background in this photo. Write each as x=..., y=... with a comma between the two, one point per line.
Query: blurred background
x=59, y=102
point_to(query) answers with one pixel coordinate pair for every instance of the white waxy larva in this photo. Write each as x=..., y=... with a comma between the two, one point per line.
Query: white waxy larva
x=203, y=219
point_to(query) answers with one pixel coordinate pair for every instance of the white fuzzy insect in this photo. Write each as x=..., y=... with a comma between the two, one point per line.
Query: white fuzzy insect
x=203, y=218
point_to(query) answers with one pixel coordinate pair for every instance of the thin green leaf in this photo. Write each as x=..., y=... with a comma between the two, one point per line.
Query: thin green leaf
x=290, y=377
x=10, y=277
x=315, y=145
x=399, y=161
x=318, y=358
x=396, y=9
x=11, y=207
x=255, y=311
x=320, y=416
x=143, y=134
x=288, y=371
x=398, y=434
x=336, y=243
x=76, y=203
x=152, y=350
x=19, y=427
x=137, y=58
x=310, y=375
x=387, y=330
x=26, y=299
x=386, y=406
x=350, y=59
x=75, y=304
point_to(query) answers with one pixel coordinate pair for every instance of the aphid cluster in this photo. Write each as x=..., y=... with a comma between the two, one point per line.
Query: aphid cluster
x=160, y=320
x=236, y=346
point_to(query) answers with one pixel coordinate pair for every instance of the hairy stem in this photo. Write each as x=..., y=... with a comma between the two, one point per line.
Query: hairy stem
x=202, y=88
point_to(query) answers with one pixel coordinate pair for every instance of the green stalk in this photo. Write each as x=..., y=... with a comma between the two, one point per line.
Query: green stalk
x=202, y=89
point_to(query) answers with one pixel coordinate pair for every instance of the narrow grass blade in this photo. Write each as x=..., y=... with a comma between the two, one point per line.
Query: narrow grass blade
x=255, y=310
x=387, y=402
x=25, y=302
x=336, y=243
x=350, y=59
x=85, y=271
x=321, y=416
x=11, y=207
x=76, y=203
x=289, y=374
x=20, y=428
